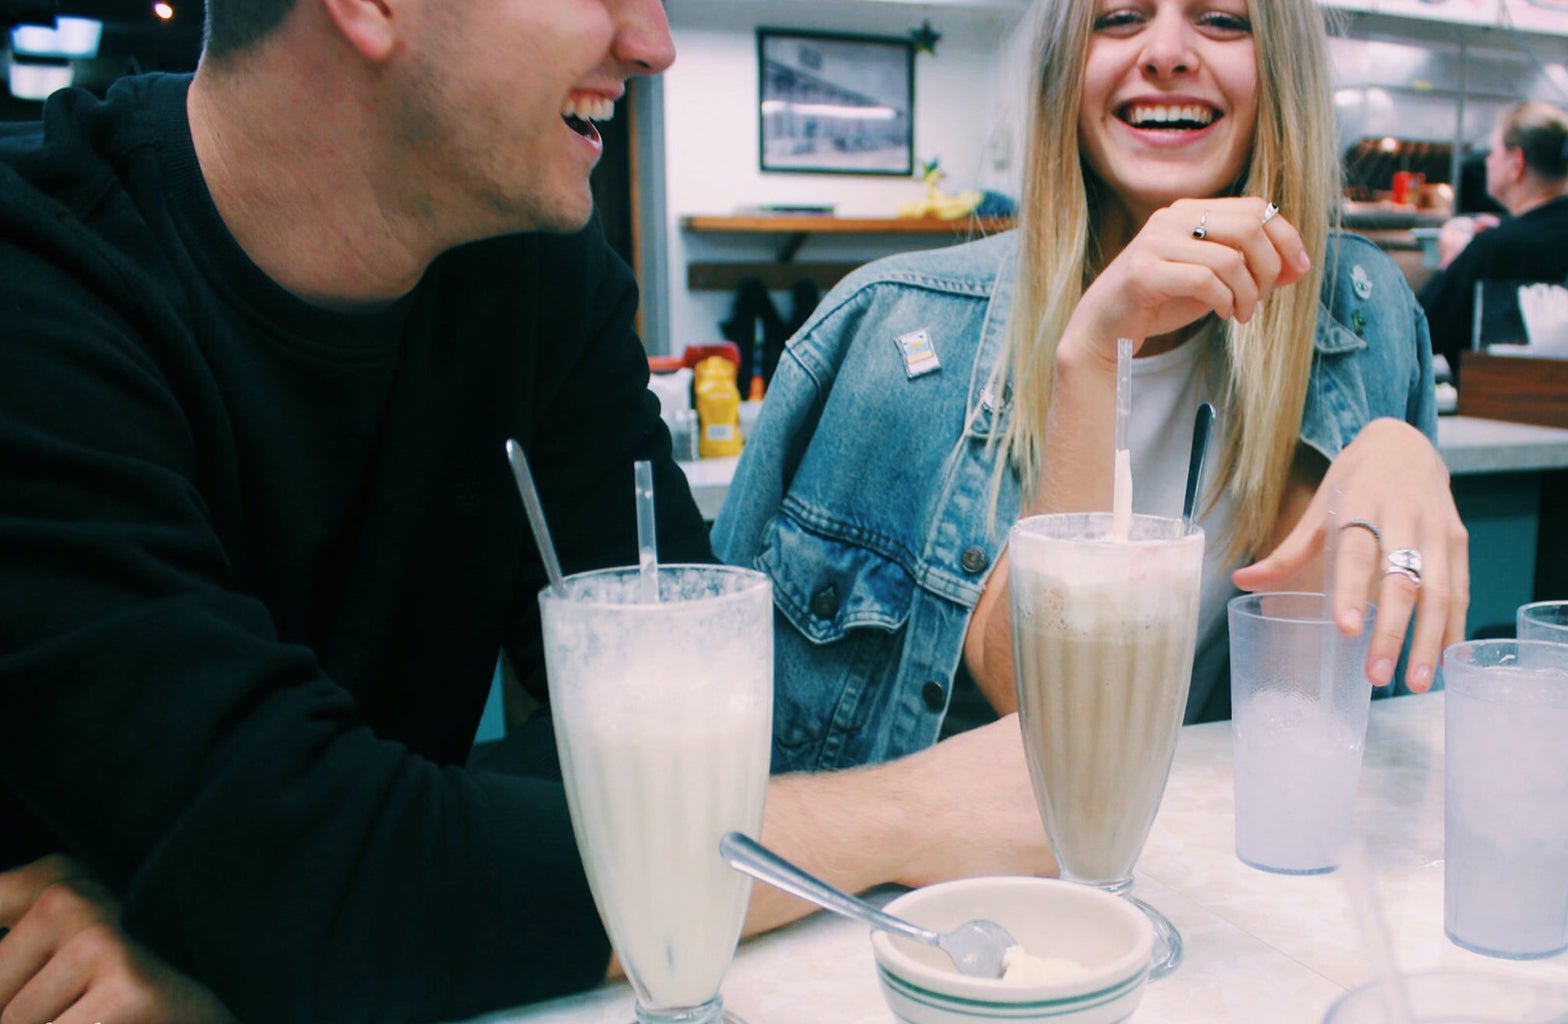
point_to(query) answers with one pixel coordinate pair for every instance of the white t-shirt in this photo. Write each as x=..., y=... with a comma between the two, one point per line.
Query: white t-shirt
x=1166, y=391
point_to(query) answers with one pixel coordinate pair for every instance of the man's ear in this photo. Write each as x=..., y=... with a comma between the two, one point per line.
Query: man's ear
x=366, y=25
x=1516, y=167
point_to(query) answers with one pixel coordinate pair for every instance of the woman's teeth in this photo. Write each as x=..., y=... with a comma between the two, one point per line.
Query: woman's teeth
x=1185, y=116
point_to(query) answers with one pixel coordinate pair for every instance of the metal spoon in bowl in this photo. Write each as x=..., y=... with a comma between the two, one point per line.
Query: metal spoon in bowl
x=977, y=948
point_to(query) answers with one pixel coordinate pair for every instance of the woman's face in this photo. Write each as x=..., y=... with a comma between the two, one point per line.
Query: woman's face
x=1170, y=99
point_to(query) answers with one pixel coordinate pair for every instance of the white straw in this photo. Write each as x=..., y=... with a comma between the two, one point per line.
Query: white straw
x=1121, y=486
x=647, y=542
x=525, y=486
x=1355, y=869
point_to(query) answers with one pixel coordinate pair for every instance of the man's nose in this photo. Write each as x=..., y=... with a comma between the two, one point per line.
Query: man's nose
x=643, y=36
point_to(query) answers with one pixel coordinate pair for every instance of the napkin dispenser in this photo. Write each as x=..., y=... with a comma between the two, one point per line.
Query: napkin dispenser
x=1516, y=388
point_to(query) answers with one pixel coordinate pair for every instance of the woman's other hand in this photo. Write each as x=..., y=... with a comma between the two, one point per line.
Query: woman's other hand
x=66, y=960
x=1390, y=491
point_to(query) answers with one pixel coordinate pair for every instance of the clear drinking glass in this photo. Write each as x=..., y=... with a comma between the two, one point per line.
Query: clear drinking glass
x=1299, y=704
x=663, y=717
x=1455, y=997
x=1543, y=620
x=1103, y=637
x=1505, y=779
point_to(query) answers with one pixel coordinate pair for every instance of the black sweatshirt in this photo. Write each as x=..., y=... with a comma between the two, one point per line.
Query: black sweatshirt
x=1530, y=247
x=257, y=560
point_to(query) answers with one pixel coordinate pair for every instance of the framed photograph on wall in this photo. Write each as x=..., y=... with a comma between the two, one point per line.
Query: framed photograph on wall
x=835, y=104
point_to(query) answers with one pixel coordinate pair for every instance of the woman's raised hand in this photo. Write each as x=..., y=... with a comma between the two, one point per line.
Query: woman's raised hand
x=1191, y=258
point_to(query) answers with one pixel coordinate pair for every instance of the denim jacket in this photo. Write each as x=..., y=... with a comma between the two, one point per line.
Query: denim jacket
x=864, y=489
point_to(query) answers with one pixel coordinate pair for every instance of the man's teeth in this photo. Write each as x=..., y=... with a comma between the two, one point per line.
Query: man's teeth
x=1189, y=113
x=589, y=108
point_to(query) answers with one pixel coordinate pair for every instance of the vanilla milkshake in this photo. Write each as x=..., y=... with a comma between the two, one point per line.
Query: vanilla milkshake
x=663, y=720
x=1103, y=637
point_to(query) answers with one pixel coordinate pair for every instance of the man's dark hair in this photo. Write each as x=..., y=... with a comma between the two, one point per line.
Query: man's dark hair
x=1540, y=131
x=233, y=25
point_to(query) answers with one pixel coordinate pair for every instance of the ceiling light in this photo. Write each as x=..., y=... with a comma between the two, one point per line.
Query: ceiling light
x=163, y=10
x=36, y=79
x=70, y=37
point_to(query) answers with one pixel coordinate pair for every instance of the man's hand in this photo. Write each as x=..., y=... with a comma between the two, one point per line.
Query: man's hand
x=959, y=809
x=66, y=960
x=1457, y=232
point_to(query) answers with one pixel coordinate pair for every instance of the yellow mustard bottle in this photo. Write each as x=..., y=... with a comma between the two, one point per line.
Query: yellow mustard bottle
x=718, y=407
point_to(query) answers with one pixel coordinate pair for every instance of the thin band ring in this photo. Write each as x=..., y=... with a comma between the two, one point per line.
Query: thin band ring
x=1367, y=525
x=1270, y=212
x=1201, y=231
x=1406, y=562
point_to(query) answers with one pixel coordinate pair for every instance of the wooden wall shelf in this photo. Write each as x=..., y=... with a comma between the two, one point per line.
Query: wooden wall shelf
x=782, y=273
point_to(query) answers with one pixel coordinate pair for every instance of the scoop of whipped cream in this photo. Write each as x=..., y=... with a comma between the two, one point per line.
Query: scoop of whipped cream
x=1019, y=965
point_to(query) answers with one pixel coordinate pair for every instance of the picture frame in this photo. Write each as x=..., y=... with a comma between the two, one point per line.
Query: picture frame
x=830, y=103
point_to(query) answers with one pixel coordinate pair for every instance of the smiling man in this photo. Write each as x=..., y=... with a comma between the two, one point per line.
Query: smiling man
x=266, y=331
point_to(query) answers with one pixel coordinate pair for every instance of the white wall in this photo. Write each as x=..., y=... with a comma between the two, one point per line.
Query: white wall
x=962, y=95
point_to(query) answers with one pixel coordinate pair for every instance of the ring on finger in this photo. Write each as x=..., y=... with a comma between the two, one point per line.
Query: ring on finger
x=1270, y=212
x=1201, y=230
x=1370, y=527
x=1406, y=562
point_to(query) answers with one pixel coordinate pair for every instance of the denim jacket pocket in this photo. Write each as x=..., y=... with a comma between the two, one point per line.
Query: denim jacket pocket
x=827, y=586
x=841, y=609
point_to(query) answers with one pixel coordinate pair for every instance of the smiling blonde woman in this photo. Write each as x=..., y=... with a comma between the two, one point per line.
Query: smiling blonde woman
x=1179, y=178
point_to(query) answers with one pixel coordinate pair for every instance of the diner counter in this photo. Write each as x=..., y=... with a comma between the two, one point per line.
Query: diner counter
x=1259, y=947
x=1468, y=445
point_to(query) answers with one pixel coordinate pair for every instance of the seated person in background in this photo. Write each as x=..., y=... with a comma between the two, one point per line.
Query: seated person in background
x=936, y=397
x=265, y=332
x=1526, y=171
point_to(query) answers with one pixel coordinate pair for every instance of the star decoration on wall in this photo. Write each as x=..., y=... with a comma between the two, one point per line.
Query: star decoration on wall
x=925, y=38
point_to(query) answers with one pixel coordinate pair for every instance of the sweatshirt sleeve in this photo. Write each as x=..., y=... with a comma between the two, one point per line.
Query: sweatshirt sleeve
x=264, y=839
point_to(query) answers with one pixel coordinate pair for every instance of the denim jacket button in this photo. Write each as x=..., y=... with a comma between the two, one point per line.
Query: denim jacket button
x=824, y=603
x=974, y=560
x=933, y=694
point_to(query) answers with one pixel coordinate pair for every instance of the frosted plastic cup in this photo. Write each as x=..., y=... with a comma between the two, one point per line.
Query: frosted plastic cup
x=1457, y=997
x=1103, y=636
x=1299, y=702
x=663, y=717
x=1505, y=823
x=1543, y=620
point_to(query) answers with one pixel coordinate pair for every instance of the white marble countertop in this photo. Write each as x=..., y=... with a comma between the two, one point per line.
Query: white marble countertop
x=1260, y=948
x=1468, y=445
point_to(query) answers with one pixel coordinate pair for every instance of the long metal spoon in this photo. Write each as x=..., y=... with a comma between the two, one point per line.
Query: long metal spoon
x=1202, y=422
x=977, y=948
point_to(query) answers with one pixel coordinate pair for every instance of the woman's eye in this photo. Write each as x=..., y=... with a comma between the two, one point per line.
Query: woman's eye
x=1117, y=19
x=1230, y=23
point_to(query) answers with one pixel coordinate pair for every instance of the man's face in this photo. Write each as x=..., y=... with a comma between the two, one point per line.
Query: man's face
x=1499, y=167
x=499, y=108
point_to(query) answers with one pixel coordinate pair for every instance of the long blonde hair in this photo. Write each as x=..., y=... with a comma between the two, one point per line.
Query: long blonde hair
x=1270, y=359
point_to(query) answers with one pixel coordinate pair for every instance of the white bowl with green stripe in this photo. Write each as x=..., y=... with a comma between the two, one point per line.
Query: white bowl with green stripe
x=1108, y=936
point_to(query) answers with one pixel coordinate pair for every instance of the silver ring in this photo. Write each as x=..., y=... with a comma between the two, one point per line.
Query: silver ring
x=1201, y=231
x=1369, y=526
x=1406, y=562
x=1270, y=212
